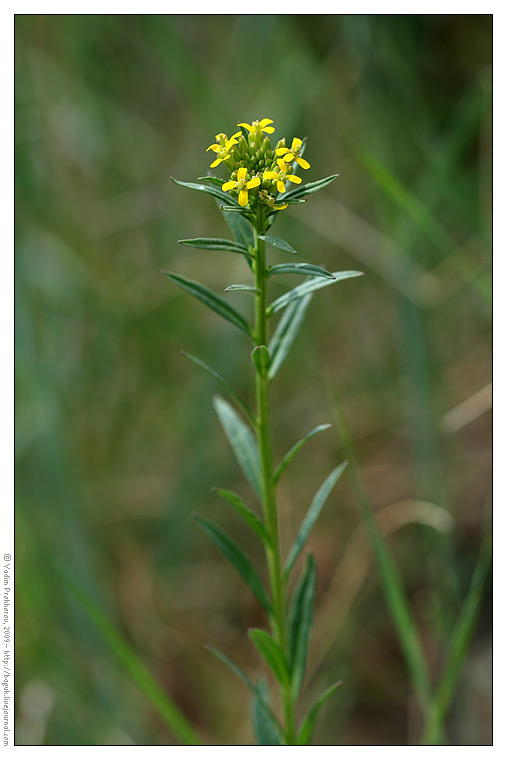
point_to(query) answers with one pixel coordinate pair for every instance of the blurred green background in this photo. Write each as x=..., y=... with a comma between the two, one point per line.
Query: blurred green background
x=117, y=441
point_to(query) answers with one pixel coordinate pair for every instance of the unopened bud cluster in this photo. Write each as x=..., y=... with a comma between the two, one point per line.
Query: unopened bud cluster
x=258, y=172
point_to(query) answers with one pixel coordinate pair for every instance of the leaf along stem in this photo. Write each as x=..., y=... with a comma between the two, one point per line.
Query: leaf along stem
x=262, y=382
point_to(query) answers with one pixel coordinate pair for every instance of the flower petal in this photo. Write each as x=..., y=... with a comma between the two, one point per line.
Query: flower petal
x=280, y=208
x=268, y=130
x=303, y=163
x=281, y=187
x=294, y=178
x=213, y=147
x=296, y=143
x=281, y=163
x=263, y=122
x=247, y=126
x=230, y=143
x=281, y=151
x=242, y=172
x=270, y=175
x=243, y=198
x=215, y=163
x=253, y=183
x=289, y=158
x=228, y=185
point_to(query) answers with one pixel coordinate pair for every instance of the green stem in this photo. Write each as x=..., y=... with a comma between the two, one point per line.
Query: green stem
x=276, y=577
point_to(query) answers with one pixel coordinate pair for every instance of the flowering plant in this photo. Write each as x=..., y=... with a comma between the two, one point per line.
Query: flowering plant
x=256, y=191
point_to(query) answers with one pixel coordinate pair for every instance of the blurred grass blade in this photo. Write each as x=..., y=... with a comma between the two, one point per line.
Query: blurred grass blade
x=236, y=557
x=215, y=244
x=312, y=515
x=458, y=648
x=258, y=693
x=242, y=442
x=310, y=269
x=285, y=333
x=171, y=715
x=277, y=242
x=311, y=187
x=389, y=576
x=294, y=450
x=211, y=190
x=251, y=519
x=272, y=654
x=223, y=382
x=266, y=733
x=308, y=725
x=315, y=283
x=300, y=623
x=211, y=300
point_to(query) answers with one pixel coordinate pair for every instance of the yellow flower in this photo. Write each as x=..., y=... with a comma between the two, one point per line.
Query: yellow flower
x=259, y=126
x=293, y=154
x=281, y=176
x=242, y=186
x=222, y=147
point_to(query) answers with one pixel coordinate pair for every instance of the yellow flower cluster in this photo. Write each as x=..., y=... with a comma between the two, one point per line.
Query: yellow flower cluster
x=255, y=166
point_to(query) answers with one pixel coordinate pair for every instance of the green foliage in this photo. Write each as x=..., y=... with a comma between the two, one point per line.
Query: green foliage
x=309, y=269
x=237, y=559
x=285, y=332
x=300, y=623
x=211, y=300
x=294, y=450
x=315, y=283
x=216, y=244
x=265, y=732
x=312, y=515
x=308, y=724
x=311, y=187
x=242, y=441
x=258, y=691
x=211, y=189
x=218, y=377
x=245, y=512
x=277, y=242
x=272, y=653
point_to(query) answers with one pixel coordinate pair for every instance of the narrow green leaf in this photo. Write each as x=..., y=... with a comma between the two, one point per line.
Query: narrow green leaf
x=300, y=623
x=236, y=557
x=311, y=187
x=216, y=244
x=277, y=242
x=260, y=358
x=242, y=441
x=212, y=180
x=258, y=693
x=315, y=283
x=458, y=648
x=223, y=382
x=240, y=209
x=211, y=189
x=294, y=201
x=211, y=300
x=266, y=733
x=311, y=516
x=246, y=513
x=308, y=725
x=310, y=269
x=294, y=450
x=240, y=228
x=249, y=288
x=272, y=653
x=130, y=660
x=285, y=333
